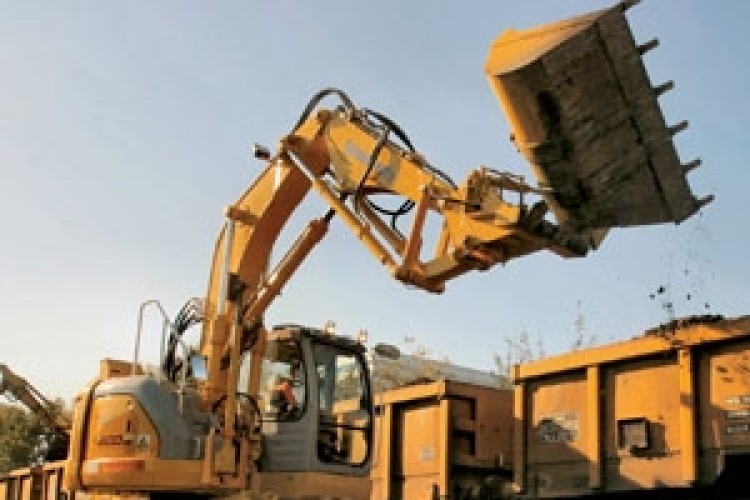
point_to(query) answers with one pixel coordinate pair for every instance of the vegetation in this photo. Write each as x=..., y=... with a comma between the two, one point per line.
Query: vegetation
x=522, y=348
x=25, y=441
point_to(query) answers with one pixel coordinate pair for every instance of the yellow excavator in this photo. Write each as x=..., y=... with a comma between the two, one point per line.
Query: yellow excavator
x=16, y=388
x=287, y=412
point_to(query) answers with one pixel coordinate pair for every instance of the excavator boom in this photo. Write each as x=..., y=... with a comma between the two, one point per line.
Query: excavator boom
x=16, y=387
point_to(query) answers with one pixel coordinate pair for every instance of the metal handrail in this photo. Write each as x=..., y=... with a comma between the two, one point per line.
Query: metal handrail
x=165, y=328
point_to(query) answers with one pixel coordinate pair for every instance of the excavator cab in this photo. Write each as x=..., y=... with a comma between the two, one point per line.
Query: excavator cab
x=316, y=408
x=313, y=414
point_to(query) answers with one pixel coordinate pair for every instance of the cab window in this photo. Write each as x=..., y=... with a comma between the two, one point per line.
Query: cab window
x=283, y=386
x=345, y=419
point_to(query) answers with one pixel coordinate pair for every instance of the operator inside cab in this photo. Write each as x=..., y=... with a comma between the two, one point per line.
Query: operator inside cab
x=283, y=400
x=284, y=388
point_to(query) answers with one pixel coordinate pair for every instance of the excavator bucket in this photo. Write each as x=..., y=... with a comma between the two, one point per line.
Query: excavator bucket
x=585, y=116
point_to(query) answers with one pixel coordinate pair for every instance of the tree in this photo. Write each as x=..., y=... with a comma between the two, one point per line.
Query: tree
x=25, y=440
x=518, y=350
x=582, y=339
x=522, y=349
x=19, y=437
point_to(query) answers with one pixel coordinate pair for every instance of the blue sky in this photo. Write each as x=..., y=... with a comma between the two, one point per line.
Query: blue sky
x=125, y=128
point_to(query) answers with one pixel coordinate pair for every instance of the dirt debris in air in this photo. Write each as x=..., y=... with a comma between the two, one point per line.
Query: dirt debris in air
x=682, y=295
x=668, y=304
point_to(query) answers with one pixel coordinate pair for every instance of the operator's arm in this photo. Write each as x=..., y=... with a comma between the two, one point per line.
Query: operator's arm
x=291, y=400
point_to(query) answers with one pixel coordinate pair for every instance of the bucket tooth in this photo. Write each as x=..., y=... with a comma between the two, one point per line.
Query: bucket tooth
x=650, y=45
x=702, y=202
x=692, y=165
x=585, y=115
x=627, y=4
x=678, y=127
x=664, y=87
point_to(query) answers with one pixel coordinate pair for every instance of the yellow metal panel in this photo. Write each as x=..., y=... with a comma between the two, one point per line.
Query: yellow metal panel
x=109, y=368
x=30, y=487
x=557, y=480
x=557, y=439
x=593, y=428
x=118, y=427
x=519, y=438
x=418, y=488
x=381, y=471
x=441, y=435
x=724, y=396
x=687, y=420
x=110, y=475
x=52, y=480
x=557, y=419
x=651, y=433
x=494, y=426
x=413, y=393
x=421, y=433
x=657, y=341
x=444, y=445
x=647, y=389
x=22, y=484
